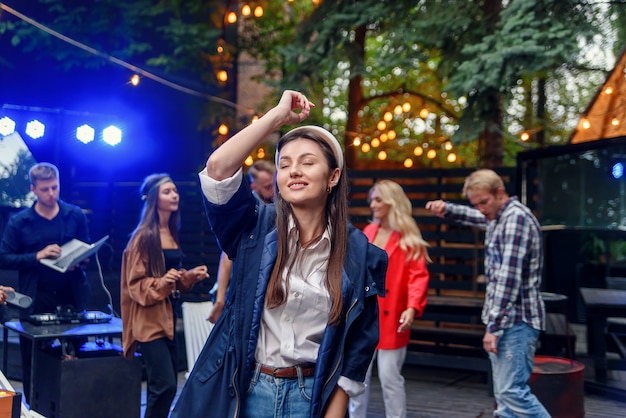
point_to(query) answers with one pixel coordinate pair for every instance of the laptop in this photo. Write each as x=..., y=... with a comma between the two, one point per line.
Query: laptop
x=72, y=253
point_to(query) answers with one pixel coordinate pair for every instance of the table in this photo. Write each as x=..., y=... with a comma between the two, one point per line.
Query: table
x=600, y=304
x=37, y=333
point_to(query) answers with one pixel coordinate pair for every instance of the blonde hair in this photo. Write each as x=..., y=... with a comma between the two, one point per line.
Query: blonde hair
x=401, y=218
x=483, y=179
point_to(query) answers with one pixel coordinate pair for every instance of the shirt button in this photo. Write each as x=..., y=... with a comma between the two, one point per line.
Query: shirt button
x=367, y=288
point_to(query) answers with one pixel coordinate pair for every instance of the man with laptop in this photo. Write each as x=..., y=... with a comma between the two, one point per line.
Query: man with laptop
x=38, y=233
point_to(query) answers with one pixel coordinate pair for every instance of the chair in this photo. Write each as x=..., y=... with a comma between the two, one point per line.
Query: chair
x=197, y=328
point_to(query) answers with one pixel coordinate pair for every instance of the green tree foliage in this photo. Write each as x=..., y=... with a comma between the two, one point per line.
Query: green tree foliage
x=473, y=74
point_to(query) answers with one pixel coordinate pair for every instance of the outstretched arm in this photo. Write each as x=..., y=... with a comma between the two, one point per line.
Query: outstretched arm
x=292, y=108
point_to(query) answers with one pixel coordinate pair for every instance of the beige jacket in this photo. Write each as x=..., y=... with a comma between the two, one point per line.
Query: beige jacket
x=146, y=309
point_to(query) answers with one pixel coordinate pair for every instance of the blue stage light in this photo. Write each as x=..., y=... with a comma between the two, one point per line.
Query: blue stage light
x=617, y=170
x=112, y=135
x=7, y=126
x=35, y=129
x=85, y=134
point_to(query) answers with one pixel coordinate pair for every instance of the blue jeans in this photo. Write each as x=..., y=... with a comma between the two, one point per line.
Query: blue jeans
x=278, y=397
x=511, y=369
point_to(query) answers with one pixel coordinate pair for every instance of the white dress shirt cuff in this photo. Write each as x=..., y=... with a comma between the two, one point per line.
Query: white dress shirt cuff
x=219, y=192
x=351, y=387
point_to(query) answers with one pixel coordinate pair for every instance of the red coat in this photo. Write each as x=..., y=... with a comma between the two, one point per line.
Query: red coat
x=406, y=287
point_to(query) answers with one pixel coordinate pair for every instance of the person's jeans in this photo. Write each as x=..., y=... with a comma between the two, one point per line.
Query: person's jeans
x=511, y=369
x=278, y=397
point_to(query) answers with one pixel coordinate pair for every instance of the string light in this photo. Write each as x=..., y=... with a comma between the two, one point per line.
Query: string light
x=391, y=134
x=431, y=154
x=525, y=136
x=258, y=11
x=418, y=151
x=447, y=145
x=222, y=76
x=245, y=10
x=383, y=137
x=381, y=125
x=397, y=110
x=615, y=122
x=365, y=147
x=134, y=80
x=388, y=116
x=451, y=157
x=356, y=142
x=406, y=107
x=408, y=163
x=231, y=17
x=223, y=129
x=382, y=155
x=249, y=161
x=585, y=123
x=424, y=113
x=375, y=143
x=608, y=90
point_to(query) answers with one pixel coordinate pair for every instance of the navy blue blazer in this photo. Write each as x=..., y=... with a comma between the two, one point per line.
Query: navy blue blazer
x=245, y=229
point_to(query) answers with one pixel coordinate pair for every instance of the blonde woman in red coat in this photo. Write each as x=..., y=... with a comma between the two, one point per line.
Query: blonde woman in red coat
x=394, y=229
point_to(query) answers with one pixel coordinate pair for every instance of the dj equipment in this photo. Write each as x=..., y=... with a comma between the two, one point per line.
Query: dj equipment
x=69, y=317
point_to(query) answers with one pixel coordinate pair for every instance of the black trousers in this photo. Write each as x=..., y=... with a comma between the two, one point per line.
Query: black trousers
x=160, y=358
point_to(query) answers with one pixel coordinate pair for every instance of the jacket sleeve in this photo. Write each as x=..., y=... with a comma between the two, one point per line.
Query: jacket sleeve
x=234, y=219
x=143, y=290
x=364, y=333
x=418, y=285
x=11, y=255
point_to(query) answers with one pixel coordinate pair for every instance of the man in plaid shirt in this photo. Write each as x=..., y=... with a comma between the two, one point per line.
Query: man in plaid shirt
x=513, y=312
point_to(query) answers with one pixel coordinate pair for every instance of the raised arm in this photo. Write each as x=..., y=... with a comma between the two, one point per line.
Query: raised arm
x=292, y=109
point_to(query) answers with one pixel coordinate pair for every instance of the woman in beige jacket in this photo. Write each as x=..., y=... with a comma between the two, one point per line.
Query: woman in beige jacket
x=151, y=276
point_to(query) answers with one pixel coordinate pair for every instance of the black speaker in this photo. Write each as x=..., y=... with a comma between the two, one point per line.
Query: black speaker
x=96, y=387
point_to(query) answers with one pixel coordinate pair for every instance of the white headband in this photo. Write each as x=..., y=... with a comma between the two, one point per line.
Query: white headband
x=326, y=136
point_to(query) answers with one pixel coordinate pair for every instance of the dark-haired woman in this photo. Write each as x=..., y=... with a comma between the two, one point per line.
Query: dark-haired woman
x=151, y=276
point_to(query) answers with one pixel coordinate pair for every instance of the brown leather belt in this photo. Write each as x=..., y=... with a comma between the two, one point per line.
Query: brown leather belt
x=288, y=372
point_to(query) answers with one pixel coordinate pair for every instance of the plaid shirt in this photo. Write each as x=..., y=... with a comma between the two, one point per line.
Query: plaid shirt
x=513, y=264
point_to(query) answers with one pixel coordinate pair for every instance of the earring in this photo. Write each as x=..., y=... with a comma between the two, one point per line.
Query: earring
x=328, y=189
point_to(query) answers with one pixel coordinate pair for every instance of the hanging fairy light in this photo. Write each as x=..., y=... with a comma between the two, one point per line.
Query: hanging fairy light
x=222, y=76
x=135, y=79
x=384, y=137
x=258, y=11
x=223, y=129
x=231, y=17
x=365, y=147
x=525, y=136
x=451, y=157
x=418, y=151
x=375, y=143
x=431, y=154
x=381, y=125
x=397, y=110
x=424, y=113
x=356, y=142
x=408, y=163
x=382, y=155
x=406, y=107
x=246, y=10
x=388, y=116
x=249, y=161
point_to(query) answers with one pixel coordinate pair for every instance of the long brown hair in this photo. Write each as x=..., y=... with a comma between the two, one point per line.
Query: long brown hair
x=336, y=215
x=146, y=237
